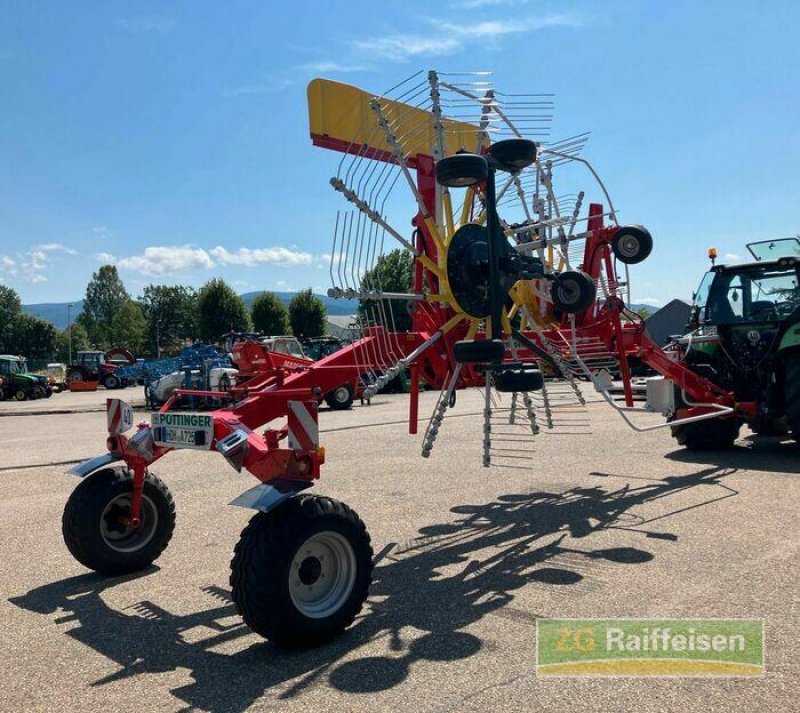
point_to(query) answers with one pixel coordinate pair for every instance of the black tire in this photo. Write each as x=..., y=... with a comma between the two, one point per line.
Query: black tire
x=110, y=381
x=78, y=373
x=573, y=291
x=514, y=154
x=632, y=244
x=340, y=398
x=461, y=170
x=479, y=351
x=270, y=552
x=20, y=394
x=716, y=434
x=792, y=393
x=518, y=379
x=94, y=534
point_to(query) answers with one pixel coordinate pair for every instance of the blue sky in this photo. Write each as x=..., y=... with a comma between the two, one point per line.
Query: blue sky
x=173, y=135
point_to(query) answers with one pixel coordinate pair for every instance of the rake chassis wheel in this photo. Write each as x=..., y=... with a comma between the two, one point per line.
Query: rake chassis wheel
x=301, y=573
x=96, y=528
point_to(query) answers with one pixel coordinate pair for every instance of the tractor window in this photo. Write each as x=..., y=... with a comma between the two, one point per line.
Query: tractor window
x=726, y=301
x=701, y=296
x=4, y=368
x=774, y=295
x=754, y=296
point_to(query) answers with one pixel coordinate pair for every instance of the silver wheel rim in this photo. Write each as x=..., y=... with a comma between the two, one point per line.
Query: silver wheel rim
x=629, y=246
x=341, y=395
x=322, y=574
x=124, y=538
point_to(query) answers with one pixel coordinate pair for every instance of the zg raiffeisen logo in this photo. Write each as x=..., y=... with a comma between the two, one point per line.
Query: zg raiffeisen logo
x=650, y=647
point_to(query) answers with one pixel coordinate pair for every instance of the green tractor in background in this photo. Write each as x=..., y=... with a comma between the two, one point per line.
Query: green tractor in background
x=16, y=382
x=745, y=337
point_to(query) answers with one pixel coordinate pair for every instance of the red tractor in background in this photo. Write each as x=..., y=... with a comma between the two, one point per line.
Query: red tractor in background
x=101, y=366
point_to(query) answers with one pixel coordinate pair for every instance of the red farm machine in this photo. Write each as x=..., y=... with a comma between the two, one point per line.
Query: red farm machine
x=513, y=281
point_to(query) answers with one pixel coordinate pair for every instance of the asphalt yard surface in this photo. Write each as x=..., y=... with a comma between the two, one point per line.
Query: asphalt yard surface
x=608, y=524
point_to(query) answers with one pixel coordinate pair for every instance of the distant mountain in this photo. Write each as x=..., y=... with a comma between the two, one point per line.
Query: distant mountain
x=56, y=312
x=333, y=306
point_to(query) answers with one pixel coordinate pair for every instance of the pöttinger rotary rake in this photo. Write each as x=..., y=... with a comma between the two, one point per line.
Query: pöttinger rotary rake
x=509, y=279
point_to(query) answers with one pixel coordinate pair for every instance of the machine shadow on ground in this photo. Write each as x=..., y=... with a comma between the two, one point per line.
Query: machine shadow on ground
x=426, y=592
x=762, y=453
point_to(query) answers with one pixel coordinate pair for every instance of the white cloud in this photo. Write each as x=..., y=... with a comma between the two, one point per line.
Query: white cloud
x=733, y=257
x=8, y=265
x=652, y=301
x=449, y=37
x=328, y=66
x=260, y=256
x=400, y=48
x=165, y=260
x=492, y=29
x=56, y=247
x=142, y=24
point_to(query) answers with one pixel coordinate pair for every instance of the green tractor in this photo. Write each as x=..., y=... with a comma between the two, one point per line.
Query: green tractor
x=745, y=337
x=17, y=383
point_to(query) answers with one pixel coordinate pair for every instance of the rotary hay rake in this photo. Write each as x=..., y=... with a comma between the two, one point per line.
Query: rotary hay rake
x=509, y=279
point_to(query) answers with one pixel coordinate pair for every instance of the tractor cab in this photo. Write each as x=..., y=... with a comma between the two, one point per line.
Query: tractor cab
x=746, y=319
x=92, y=360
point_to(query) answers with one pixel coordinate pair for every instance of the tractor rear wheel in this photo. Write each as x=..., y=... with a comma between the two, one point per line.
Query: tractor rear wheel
x=111, y=381
x=96, y=528
x=341, y=398
x=301, y=572
x=792, y=394
x=716, y=434
x=78, y=373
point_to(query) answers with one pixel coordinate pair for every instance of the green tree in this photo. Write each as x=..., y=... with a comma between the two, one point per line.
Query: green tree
x=171, y=314
x=33, y=337
x=105, y=296
x=644, y=312
x=307, y=314
x=220, y=310
x=80, y=343
x=129, y=327
x=392, y=273
x=10, y=309
x=270, y=315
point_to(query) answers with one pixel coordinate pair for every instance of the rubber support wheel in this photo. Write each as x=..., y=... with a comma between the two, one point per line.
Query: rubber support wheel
x=792, y=393
x=341, y=398
x=573, y=291
x=479, y=351
x=511, y=380
x=632, y=244
x=514, y=154
x=716, y=434
x=301, y=572
x=94, y=526
x=461, y=170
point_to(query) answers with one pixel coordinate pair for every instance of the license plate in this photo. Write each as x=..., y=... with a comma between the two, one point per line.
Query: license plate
x=183, y=430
